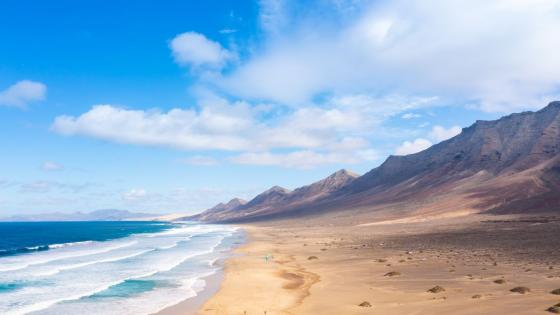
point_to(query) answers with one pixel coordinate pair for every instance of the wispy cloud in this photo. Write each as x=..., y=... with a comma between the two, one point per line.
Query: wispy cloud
x=410, y=147
x=273, y=16
x=6, y=183
x=410, y=116
x=22, y=93
x=134, y=195
x=201, y=160
x=181, y=199
x=194, y=49
x=440, y=133
x=228, y=31
x=45, y=186
x=437, y=134
x=304, y=159
x=50, y=166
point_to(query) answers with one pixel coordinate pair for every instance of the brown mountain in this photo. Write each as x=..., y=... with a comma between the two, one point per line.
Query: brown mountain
x=276, y=199
x=269, y=197
x=500, y=159
x=221, y=208
x=230, y=205
x=509, y=165
x=321, y=188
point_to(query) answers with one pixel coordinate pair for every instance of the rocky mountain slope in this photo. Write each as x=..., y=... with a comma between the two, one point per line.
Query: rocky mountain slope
x=516, y=153
x=277, y=198
x=509, y=165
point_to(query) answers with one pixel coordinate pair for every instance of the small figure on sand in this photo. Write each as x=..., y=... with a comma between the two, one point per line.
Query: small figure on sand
x=268, y=257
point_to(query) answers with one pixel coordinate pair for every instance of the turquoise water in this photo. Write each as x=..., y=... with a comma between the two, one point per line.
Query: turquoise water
x=106, y=267
x=126, y=289
x=6, y=287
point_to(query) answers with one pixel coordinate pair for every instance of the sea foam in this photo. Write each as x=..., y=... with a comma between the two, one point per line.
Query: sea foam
x=108, y=277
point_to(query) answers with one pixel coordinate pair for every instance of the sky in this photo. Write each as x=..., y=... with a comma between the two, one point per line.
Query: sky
x=175, y=106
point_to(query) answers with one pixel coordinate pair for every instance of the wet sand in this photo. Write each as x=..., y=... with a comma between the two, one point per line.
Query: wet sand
x=192, y=305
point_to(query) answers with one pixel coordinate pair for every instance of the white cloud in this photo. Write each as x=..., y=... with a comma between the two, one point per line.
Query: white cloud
x=228, y=31
x=437, y=134
x=415, y=146
x=194, y=49
x=134, y=195
x=348, y=150
x=219, y=125
x=304, y=159
x=440, y=133
x=213, y=127
x=410, y=116
x=44, y=186
x=6, y=183
x=496, y=55
x=52, y=166
x=22, y=93
x=37, y=187
x=273, y=16
x=341, y=124
x=200, y=160
x=186, y=199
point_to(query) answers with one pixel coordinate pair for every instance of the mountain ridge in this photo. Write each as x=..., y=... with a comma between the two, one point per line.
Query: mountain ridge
x=277, y=196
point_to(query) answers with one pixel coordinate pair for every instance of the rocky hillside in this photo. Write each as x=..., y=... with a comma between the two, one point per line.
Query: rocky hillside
x=276, y=199
x=511, y=144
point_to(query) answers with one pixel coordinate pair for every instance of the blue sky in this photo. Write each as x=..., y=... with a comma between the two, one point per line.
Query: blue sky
x=172, y=108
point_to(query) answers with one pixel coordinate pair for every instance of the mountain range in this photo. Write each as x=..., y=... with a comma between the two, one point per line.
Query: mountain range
x=275, y=199
x=505, y=166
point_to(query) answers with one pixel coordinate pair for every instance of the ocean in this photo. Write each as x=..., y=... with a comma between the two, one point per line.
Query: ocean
x=107, y=267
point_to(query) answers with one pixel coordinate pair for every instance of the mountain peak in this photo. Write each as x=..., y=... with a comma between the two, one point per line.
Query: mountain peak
x=344, y=173
x=230, y=205
x=276, y=189
x=552, y=105
x=268, y=197
x=326, y=185
x=235, y=202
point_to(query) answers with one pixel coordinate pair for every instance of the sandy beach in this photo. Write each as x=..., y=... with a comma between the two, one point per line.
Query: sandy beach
x=325, y=269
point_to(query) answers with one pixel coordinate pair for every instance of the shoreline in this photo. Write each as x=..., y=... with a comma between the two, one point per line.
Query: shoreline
x=192, y=305
x=213, y=282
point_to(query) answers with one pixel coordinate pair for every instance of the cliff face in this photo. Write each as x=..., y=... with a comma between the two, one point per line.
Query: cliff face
x=509, y=165
x=511, y=144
